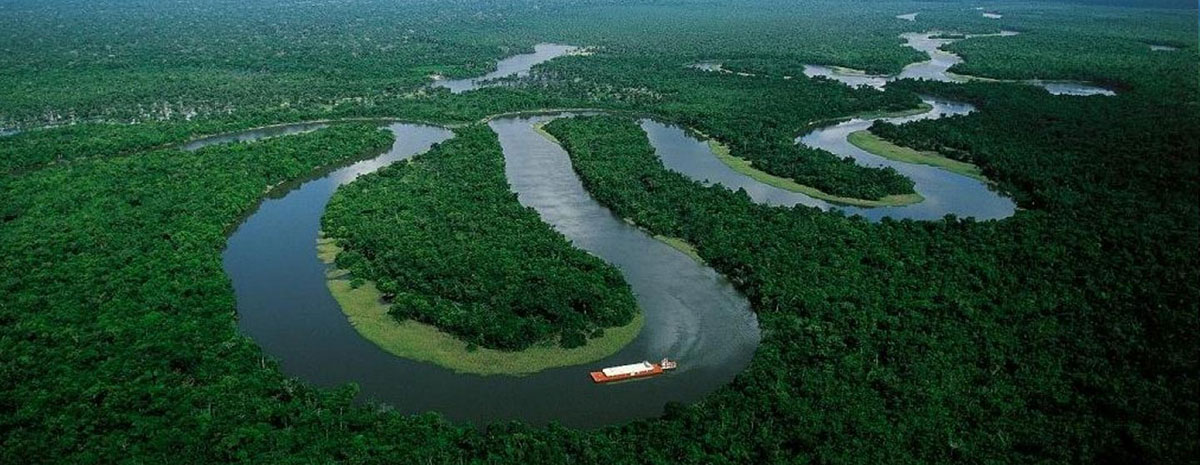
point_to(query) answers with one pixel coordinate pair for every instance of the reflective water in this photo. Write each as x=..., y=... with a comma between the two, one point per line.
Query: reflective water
x=944, y=192
x=852, y=78
x=516, y=65
x=938, y=66
x=1162, y=48
x=692, y=313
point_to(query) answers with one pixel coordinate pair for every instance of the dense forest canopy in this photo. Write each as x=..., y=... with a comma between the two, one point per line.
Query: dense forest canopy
x=448, y=245
x=1065, y=334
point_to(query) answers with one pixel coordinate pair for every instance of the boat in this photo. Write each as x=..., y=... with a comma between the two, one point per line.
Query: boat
x=632, y=371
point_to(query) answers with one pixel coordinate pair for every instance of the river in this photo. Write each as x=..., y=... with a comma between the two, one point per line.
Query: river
x=937, y=68
x=692, y=313
x=514, y=66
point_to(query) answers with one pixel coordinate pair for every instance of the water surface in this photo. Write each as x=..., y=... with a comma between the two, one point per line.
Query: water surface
x=937, y=68
x=692, y=313
x=945, y=192
x=852, y=78
x=940, y=61
x=516, y=65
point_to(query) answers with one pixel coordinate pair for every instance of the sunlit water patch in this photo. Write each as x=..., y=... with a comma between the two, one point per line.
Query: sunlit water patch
x=850, y=77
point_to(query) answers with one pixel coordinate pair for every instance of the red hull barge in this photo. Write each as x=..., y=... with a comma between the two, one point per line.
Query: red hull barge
x=631, y=371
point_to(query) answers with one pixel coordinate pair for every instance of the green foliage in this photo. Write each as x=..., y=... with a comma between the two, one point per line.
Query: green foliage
x=1065, y=334
x=756, y=116
x=952, y=340
x=449, y=245
x=1140, y=146
x=117, y=321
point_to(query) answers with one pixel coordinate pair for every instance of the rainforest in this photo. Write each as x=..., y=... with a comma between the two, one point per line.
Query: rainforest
x=416, y=231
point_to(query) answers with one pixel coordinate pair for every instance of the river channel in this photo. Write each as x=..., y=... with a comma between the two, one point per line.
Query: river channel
x=692, y=313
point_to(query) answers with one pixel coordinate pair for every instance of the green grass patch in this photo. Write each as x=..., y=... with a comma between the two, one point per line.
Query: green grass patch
x=368, y=313
x=870, y=142
x=682, y=246
x=540, y=128
x=743, y=166
x=922, y=108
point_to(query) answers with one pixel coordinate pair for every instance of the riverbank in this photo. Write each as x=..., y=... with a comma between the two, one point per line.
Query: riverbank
x=681, y=245
x=368, y=314
x=745, y=167
x=868, y=141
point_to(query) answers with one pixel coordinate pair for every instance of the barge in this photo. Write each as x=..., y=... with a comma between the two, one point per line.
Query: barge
x=632, y=371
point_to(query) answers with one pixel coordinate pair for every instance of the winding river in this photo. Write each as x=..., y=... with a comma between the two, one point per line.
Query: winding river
x=692, y=313
x=937, y=68
x=945, y=192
